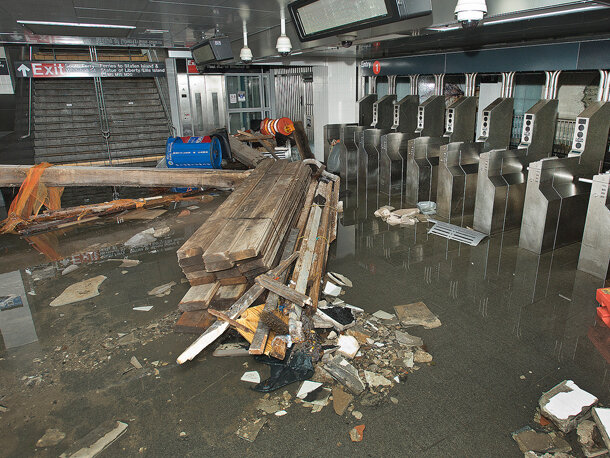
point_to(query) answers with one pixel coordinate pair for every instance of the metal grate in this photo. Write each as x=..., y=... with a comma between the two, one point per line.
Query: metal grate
x=457, y=233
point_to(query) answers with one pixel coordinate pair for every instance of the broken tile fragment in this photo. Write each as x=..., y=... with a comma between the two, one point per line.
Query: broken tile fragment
x=135, y=363
x=422, y=356
x=80, y=291
x=383, y=315
x=374, y=380
x=348, y=346
x=406, y=339
x=307, y=387
x=251, y=376
x=250, y=429
x=51, y=438
x=345, y=373
x=341, y=400
x=356, y=434
x=602, y=419
x=417, y=314
x=566, y=404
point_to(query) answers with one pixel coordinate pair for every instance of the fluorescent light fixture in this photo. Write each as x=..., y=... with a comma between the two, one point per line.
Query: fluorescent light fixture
x=542, y=14
x=76, y=24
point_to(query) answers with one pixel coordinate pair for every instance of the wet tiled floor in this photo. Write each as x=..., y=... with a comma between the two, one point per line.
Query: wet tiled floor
x=514, y=325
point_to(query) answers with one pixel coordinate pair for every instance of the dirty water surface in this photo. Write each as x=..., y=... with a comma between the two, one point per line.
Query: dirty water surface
x=513, y=325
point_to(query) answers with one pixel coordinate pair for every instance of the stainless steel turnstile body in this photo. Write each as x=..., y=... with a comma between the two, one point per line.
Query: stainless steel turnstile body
x=503, y=173
x=461, y=119
x=459, y=162
x=555, y=200
x=423, y=151
x=393, y=151
x=383, y=118
x=365, y=109
x=332, y=135
x=422, y=169
x=595, y=248
x=350, y=137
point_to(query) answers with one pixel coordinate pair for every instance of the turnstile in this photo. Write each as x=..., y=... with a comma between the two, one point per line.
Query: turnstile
x=555, y=205
x=595, y=248
x=393, y=148
x=383, y=117
x=332, y=135
x=503, y=173
x=459, y=160
x=350, y=138
x=365, y=109
x=424, y=150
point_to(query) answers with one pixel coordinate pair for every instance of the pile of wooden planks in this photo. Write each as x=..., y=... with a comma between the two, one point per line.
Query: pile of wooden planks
x=309, y=238
x=243, y=237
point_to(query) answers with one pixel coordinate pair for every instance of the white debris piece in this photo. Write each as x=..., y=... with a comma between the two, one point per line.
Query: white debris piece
x=70, y=268
x=146, y=237
x=375, y=380
x=331, y=290
x=348, y=346
x=383, y=315
x=340, y=280
x=307, y=387
x=144, y=308
x=566, y=404
x=602, y=419
x=251, y=376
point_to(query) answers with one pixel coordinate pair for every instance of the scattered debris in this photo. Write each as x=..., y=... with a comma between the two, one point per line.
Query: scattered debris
x=231, y=349
x=348, y=346
x=566, y=404
x=251, y=376
x=250, y=429
x=146, y=237
x=135, y=363
x=97, y=440
x=356, y=434
x=341, y=400
x=383, y=315
x=80, y=291
x=339, y=279
x=70, y=268
x=143, y=308
x=128, y=262
x=307, y=387
x=280, y=413
x=161, y=232
x=183, y=434
x=51, y=438
x=602, y=419
x=162, y=290
x=529, y=440
x=331, y=289
x=346, y=374
x=184, y=213
x=417, y=314
x=590, y=439
x=374, y=380
x=422, y=356
x=357, y=414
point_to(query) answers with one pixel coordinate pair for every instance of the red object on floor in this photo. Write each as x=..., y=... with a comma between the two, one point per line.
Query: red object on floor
x=603, y=312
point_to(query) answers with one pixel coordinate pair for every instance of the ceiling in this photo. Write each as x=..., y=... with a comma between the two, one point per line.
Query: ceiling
x=176, y=23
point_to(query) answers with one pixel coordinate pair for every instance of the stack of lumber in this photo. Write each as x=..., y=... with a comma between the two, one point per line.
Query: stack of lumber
x=243, y=237
x=309, y=238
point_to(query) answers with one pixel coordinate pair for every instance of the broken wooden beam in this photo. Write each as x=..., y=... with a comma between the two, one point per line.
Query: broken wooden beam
x=63, y=176
x=284, y=291
x=240, y=306
x=244, y=154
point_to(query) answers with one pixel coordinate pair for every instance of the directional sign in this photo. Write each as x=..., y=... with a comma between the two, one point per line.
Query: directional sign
x=88, y=69
x=3, y=67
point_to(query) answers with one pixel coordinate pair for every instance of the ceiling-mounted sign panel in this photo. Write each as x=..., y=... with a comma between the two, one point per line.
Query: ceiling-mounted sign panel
x=89, y=69
x=425, y=65
x=316, y=19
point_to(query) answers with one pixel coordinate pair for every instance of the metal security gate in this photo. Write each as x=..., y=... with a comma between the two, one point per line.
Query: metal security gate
x=293, y=93
x=247, y=98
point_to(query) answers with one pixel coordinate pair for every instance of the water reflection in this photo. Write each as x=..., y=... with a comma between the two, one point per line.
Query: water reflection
x=16, y=322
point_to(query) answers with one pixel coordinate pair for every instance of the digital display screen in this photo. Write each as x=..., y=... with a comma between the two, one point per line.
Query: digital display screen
x=213, y=50
x=324, y=15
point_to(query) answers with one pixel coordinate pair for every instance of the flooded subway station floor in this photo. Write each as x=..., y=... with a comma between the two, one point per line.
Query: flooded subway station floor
x=514, y=324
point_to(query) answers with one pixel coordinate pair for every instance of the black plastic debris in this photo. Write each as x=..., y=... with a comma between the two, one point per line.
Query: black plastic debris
x=341, y=315
x=296, y=367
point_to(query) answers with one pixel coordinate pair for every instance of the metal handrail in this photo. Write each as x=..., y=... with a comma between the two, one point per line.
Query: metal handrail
x=168, y=115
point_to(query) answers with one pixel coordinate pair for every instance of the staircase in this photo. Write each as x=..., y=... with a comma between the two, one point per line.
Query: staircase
x=67, y=125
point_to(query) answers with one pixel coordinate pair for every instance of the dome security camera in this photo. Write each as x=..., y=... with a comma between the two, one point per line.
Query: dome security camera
x=470, y=12
x=347, y=39
x=284, y=46
x=245, y=55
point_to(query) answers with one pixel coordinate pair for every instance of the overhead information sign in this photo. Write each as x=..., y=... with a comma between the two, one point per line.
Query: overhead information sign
x=88, y=69
x=3, y=67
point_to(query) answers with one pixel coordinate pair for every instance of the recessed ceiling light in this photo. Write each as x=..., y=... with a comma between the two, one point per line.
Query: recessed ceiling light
x=77, y=24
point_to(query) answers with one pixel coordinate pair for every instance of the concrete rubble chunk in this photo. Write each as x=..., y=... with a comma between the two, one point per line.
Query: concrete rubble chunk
x=417, y=314
x=529, y=440
x=345, y=373
x=374, y=380
x=251, y=376
x=51, y=438
x=566, y=405
x=590, y=439
x=307, y=387
x=356, y=434
x=135, y=363
x=348, y=346
x=80, y=291
x=341, y=400
x=422, y=356
x=339, y=279
x=406, y=339
x=250, y=429
x=602, y=419
x=97, y=440
x=383, y=315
